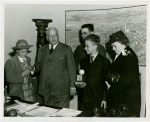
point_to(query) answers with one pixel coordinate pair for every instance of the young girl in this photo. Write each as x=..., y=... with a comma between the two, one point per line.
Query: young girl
x=18, y=70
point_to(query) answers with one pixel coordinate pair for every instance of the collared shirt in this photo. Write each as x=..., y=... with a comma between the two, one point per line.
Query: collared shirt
x=21, y=59
x=123, y=52
x=94, y=56
x=116, y=57
x=54, y=46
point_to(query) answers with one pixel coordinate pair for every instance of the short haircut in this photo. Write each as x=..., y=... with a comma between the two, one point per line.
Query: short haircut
x=89, y=26
x=52, y=28
x=94, y=38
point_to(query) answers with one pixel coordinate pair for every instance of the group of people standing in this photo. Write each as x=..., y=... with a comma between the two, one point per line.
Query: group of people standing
x=57, y=68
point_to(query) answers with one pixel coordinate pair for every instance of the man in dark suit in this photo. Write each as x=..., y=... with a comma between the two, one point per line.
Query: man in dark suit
x=127, y=89
x=57, y=71
x=80, y=53
x=95, y=67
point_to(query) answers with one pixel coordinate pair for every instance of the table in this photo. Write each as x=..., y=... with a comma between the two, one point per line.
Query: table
x=12, y=103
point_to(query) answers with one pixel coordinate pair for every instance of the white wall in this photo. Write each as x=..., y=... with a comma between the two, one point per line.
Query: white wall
x=18, y=21
x=18, y=25
x=143, y=89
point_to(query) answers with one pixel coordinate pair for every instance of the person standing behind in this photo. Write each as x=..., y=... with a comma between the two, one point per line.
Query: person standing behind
x=18, y=70
x=80, y=53
x=57, y=69
x=95, y=67
x=127, y=89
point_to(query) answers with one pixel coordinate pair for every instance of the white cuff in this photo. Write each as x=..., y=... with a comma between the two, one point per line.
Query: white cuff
x=32, y=72
x=72, y=87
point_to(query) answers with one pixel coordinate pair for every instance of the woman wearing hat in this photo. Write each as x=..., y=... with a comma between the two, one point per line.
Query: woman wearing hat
x=127, y=89
x=18, y=70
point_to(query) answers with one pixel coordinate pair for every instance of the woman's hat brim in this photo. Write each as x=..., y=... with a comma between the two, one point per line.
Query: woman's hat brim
x=118, y=36
x=22, y=47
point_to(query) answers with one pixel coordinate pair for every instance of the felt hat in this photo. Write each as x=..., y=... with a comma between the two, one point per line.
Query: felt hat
x=22, y=44
x=118, y=36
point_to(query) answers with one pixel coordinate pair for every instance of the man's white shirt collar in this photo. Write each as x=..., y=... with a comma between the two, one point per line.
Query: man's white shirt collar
x=94, y=56
x=21, y=59
x=54, y=46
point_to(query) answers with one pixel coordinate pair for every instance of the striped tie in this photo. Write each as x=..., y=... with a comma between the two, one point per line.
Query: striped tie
x=51, y=50
x=91, y=59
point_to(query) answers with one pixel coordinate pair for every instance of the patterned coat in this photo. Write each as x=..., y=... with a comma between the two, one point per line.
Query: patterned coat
x=14, y=77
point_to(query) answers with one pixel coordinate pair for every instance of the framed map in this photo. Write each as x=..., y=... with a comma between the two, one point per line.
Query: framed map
x=131, y=20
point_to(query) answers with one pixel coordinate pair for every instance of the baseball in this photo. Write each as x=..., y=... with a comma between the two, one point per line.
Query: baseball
x=81, y=72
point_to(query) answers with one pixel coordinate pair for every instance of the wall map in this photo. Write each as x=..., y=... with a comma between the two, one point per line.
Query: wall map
x=132, y=21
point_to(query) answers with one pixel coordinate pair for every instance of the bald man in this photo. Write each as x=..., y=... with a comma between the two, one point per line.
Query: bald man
x=57, y=71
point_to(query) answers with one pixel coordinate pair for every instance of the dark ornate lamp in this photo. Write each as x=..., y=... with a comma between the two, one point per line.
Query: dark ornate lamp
x=41, y=25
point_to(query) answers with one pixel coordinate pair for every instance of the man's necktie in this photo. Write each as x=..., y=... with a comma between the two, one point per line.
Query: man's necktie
x=91, y=59
x=51, y=50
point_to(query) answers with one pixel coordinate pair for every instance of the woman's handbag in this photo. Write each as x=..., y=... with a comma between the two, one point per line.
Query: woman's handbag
x=112, y=77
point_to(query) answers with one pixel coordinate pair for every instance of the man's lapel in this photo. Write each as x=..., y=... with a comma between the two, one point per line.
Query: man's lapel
x=45, y=52
x=56, y=53
x=56, y=50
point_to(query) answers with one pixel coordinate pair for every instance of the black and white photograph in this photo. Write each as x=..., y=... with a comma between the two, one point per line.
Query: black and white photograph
x=83, y=60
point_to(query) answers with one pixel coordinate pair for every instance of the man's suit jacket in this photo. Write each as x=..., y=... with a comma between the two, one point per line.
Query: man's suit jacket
x=95, y=79
x=14, y=77
x=80, y=53
x=58, y=74
x=127, y=90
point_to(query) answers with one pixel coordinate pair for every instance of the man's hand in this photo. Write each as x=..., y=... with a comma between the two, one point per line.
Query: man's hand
x=25, y=73
x=72, y=91
x=32, y=69
x=108, y=86
x=103, y=103
x=81, y=85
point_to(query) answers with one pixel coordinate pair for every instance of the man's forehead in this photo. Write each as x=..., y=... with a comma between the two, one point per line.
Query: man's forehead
x=52, y=32
x=89, y=42
x=85, y=30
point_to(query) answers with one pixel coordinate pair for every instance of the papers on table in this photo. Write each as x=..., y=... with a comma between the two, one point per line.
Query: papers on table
x=7, y=98
x=66, y=113
x=22, y=107
x=37, y=111
x=42, y=112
